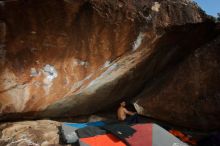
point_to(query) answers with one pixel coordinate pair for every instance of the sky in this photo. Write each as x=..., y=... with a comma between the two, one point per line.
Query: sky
x=212, y=7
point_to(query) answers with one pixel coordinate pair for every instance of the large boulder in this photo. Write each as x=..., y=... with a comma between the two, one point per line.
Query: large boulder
x=187, y=94
x=74, y=57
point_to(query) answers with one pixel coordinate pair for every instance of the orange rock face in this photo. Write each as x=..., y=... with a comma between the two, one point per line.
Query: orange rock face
x=73, y=57
x=50, y=50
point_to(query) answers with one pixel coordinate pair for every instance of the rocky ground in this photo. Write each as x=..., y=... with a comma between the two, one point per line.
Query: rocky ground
x=30, y=133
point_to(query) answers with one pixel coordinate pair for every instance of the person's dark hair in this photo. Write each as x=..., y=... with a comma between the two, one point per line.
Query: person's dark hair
x=123, y=102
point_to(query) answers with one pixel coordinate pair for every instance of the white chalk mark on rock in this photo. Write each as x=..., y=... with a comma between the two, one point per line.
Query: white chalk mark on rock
x=104, y=74
x=77, y=62
x=33, y=32
x=107, y=64
x=156, y=7
x=138, y=108
x=34, y=72
x=50, y=74
x=80, y=83
x=138, y=41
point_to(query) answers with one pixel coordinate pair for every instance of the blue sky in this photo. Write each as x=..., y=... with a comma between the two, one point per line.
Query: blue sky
x=212, y=7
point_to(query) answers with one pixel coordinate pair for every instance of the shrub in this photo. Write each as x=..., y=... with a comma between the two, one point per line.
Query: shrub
x=218, y=17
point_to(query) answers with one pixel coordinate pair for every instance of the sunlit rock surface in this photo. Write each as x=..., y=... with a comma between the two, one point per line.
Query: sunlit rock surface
x=73, y=57
x=30, y=133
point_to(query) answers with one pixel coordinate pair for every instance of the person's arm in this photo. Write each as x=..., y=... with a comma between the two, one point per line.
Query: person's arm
x=129, y=112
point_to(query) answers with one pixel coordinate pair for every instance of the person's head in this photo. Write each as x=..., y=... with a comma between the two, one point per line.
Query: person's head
x=123, y=103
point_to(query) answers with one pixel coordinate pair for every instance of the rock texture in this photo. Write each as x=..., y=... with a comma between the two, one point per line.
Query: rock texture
x=188, y=94
x=73, y=57
x=30, y=133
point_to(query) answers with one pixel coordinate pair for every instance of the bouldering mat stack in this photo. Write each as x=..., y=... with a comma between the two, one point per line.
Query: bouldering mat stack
x=68, y=130
x=101, y=140
x=90, y=131
x=152, y=135
x=118, y=134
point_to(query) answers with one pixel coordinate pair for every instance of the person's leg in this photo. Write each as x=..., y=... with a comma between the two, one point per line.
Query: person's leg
x=135, y=118
x=128, y=120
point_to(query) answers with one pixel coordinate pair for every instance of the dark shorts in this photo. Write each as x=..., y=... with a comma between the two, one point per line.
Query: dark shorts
x=132, y=119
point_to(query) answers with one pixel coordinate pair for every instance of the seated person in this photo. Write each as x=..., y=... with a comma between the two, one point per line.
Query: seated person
x=123, y=112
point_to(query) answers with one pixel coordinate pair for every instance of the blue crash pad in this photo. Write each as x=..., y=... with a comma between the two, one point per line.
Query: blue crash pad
x=82, y=125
